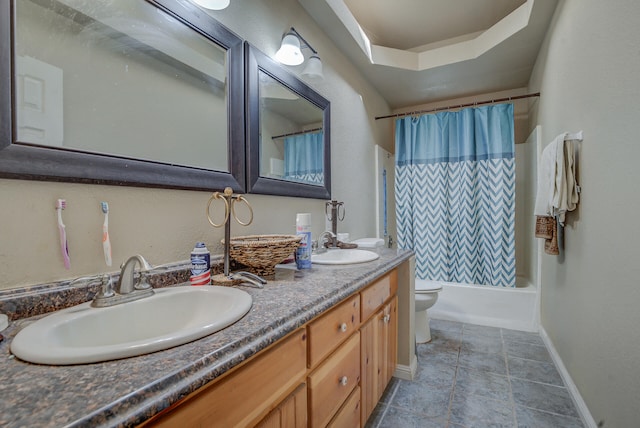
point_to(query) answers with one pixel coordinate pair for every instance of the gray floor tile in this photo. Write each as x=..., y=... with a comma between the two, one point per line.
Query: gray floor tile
x=470, y=382
x=442, y=337
x=527, y=351
x=439, y=350
x=537, y=371
x=494, y=363
x=418, y=398
x=480, y=330
x=400, y=418
x=472, y=376
x=474, y=411
x=445, y=325
x=530, y=418
x=436, y=374
x=484, y=344
x=540, y=396
x=521, y=336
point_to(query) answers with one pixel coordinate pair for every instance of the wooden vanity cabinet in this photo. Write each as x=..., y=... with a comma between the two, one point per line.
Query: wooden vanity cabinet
x=243, y=397
x=329, y=373
x=373, y=362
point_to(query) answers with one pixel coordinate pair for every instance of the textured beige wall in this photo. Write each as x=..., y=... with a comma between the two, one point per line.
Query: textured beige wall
x=163, y=225
x=587, y=72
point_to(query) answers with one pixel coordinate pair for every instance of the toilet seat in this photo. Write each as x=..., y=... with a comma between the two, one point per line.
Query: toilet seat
x=424, y=287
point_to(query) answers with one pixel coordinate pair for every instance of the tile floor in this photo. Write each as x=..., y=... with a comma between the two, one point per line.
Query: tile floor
x=473, y=376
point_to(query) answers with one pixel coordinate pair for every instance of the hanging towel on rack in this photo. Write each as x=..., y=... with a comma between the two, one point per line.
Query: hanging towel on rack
x=565, y=196
x=558, y=191
x=547, y=178
x=557, y=187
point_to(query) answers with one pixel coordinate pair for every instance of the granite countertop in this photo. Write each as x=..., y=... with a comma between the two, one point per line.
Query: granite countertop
x=127, y=392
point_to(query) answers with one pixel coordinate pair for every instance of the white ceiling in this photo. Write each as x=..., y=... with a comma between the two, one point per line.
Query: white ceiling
x=419, y=51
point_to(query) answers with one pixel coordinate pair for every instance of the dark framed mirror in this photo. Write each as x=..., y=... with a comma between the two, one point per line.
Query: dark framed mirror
x=288, y=132
x=134, y=92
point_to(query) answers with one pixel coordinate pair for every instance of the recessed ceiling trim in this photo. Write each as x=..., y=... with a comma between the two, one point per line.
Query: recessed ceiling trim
x=439, y=53
x=351, y=25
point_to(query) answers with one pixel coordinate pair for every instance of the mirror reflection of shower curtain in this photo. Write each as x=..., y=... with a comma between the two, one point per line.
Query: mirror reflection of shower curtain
x=455, y=194
x=304, y=158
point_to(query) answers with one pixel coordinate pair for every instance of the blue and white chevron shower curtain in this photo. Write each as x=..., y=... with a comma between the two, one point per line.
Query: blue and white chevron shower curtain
x=455, y=194
x=304, y=158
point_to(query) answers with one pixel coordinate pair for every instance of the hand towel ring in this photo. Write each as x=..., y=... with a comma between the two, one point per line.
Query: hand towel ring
x=229, y=200
x=233, y=209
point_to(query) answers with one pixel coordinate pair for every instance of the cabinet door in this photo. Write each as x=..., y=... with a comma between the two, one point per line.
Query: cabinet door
x=389, y=349
x=292, y=413
x=379, y=342
x=369, y=339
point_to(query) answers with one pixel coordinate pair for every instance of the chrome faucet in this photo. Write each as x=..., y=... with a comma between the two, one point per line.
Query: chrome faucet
x=127, y=290
x=333, y=240
x=126, y=282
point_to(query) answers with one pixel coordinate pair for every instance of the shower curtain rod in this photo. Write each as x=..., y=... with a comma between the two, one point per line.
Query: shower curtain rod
x=477, y=103
x=308, y=131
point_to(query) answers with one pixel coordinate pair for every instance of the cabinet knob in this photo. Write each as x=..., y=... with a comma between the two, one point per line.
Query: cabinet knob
x=386, y=319
x=344, y=380
x=343, y=327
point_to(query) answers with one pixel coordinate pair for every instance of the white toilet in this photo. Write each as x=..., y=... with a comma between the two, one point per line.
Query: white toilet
x=426, y=295
x=369, y=243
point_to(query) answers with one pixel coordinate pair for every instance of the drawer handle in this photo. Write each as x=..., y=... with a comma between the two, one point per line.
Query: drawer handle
x=343, y=327
x=344, y=380
x=386, y=319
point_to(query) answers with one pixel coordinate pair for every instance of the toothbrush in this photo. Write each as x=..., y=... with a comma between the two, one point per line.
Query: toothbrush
x=64, y=246
x=106, y=243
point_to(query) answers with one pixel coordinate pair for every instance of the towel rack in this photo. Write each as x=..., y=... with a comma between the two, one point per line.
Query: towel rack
x=576, y=136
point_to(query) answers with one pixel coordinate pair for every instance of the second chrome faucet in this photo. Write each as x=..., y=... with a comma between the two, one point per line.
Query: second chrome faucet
x=126, y=290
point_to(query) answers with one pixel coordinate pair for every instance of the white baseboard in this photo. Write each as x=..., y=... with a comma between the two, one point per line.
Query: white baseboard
x=407, y=372
x=583, y=410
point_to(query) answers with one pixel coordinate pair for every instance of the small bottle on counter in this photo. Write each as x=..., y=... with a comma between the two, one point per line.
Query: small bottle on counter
x=200, y=265
x=303, y=252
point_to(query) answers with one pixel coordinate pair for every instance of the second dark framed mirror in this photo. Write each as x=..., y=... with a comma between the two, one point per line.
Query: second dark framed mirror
x=288, y=132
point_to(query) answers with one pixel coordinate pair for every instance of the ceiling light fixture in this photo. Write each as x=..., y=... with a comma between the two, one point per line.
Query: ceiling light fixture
x=212, y=4
x=290, y=53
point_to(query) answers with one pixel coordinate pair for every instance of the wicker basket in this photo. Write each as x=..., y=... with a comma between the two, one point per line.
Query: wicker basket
x=261, y=253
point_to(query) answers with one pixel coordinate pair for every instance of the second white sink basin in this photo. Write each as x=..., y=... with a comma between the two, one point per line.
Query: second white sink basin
x=343, y=257
x=171, y=317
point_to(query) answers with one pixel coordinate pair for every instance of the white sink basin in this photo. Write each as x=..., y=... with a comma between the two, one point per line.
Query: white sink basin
x=171, y=317
x=343, y=257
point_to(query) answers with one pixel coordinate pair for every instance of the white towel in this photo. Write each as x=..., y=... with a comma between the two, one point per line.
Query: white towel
x=557, y=187
x=547, y=178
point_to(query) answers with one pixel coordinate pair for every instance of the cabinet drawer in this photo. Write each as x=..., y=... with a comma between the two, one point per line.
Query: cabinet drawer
x=331, y=329
x=332, y=382
x=379, y=292
x=349, y=415
x=247, y=394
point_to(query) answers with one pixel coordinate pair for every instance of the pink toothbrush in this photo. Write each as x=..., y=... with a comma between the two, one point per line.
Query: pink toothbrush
x=60, y=205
